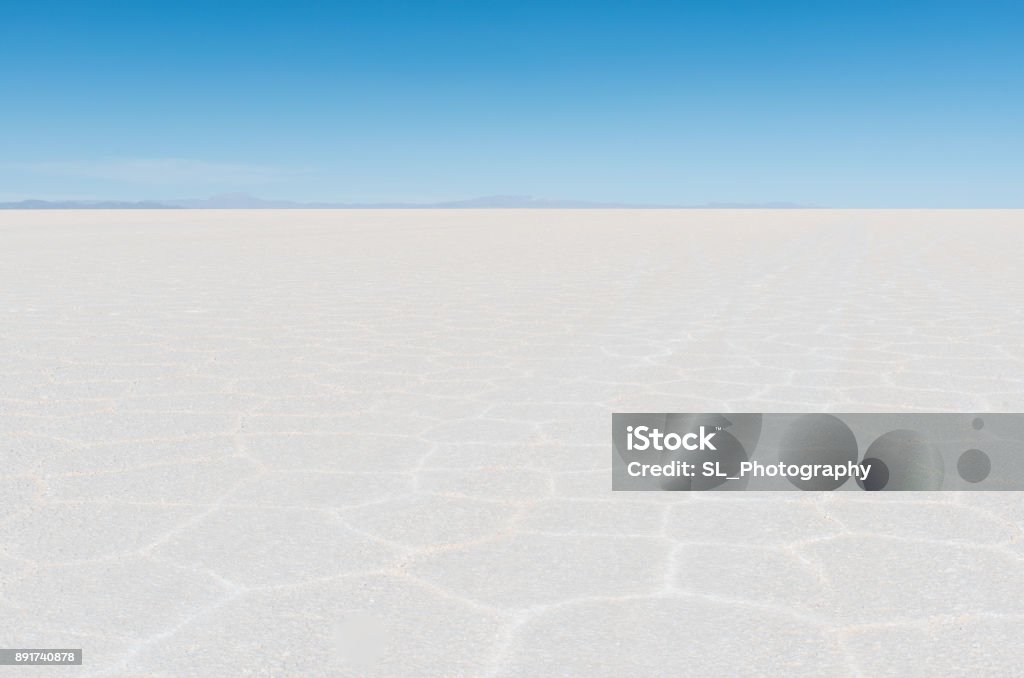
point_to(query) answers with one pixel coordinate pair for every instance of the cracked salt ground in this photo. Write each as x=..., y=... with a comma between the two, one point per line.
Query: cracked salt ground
x=376, y=443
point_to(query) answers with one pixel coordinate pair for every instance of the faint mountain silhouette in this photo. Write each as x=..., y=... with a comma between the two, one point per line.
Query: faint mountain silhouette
x=85, y=205
x=250, y=202
x=233, y=201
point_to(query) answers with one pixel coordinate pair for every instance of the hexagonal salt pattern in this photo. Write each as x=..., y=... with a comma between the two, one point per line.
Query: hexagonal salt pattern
x=376, y=443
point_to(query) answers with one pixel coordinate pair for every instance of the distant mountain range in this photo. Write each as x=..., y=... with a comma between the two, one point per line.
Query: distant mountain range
x=235, y=201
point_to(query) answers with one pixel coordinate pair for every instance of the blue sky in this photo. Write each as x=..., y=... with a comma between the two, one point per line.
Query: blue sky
x=845, y=104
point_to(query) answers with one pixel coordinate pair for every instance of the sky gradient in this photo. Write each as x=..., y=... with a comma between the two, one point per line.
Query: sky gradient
x=841, y=104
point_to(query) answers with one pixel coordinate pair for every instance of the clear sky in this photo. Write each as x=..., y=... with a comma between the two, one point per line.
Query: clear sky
x=844, y=104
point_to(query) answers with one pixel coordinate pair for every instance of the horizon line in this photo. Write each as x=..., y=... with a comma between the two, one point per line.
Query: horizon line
x=247, y=201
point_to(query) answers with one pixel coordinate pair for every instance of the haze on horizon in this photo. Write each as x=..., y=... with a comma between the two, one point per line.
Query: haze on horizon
x=913, y=104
